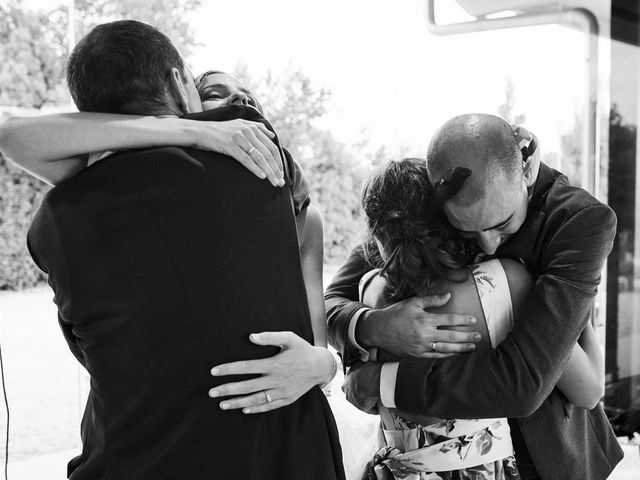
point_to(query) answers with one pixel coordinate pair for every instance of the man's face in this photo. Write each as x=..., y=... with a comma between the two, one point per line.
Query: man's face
x=219, y=90
x=495, y=217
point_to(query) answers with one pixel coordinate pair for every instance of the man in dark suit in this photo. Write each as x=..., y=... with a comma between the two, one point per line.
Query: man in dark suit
x=513, y=206
x=163, y=261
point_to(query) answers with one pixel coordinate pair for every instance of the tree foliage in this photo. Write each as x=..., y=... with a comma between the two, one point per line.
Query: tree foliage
x=335, y=169
x=172, y=17
x=506, y=108
x=32, y=56
x=33, y=52
x=20, y=195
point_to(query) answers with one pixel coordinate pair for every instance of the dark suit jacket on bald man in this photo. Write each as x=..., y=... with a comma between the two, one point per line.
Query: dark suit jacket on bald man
x=163, y=261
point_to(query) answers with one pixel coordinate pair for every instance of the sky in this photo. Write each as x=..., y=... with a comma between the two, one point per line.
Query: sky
x=389, y=76
x=392, y=81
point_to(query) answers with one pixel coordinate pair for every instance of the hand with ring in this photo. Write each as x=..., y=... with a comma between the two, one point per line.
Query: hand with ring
x=285, y=377
x=248, y=142
x=408, y=329
x=267, y=396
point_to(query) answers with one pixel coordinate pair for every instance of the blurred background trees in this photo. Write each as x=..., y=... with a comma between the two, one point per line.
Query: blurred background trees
x=32, y=59
x=33, y=52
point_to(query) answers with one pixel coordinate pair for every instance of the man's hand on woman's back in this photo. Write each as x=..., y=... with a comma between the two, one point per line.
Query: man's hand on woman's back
x=405, y=329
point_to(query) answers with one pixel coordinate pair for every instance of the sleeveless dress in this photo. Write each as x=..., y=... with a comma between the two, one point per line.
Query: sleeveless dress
x=457, y=449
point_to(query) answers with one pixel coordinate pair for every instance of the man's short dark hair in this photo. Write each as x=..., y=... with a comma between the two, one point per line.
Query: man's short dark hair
x=123, y=67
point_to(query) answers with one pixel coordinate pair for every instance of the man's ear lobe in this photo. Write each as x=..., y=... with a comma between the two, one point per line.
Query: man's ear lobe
x=177, y=90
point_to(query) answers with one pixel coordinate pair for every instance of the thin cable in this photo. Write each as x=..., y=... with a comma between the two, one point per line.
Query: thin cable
x=6, y=403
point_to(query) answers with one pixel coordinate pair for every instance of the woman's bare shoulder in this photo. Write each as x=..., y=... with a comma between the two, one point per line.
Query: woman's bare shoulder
x=520, y=282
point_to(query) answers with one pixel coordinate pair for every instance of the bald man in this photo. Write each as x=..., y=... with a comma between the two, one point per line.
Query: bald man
x=512, y=206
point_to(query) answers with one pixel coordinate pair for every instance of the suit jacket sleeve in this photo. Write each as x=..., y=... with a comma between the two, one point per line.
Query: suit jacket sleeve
x=341, y=300
x=514, y=379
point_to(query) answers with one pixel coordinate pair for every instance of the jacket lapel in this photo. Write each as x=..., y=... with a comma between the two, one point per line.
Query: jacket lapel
x=521, y=244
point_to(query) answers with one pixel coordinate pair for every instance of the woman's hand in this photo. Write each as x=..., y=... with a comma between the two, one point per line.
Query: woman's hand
x=285, y=377
x=248, y=142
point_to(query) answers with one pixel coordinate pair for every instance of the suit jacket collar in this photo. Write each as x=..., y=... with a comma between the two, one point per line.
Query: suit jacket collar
x=521, y=244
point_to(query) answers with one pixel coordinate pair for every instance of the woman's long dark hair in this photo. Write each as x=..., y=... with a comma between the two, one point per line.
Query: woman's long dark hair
x=419, y=245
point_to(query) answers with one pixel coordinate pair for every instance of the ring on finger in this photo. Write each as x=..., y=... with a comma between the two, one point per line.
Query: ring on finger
x=251, y=150
x=434, y=345
x=267, y=396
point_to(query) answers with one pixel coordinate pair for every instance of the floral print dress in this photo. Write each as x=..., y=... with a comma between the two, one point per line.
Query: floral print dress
x=476, y=449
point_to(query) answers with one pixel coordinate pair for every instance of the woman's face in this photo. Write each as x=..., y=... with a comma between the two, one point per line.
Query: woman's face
x=220, y=89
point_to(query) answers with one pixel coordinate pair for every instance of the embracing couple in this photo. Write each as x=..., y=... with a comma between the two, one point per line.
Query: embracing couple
x=178, y=271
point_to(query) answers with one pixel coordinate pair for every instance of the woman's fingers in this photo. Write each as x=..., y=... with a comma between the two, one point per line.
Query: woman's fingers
x=238, y=388
x=253, y=400
x=246, y=141
x=285, y=339
x=263, y=156
x=266, y=407
x=247, y=162
x=273, y=150
x=265, y=130
x=256, y=403
x=243, y=367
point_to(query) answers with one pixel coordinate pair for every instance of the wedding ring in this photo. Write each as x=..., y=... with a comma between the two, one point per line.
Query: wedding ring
x=434, y=345
x=251, y=150
x=267, y=396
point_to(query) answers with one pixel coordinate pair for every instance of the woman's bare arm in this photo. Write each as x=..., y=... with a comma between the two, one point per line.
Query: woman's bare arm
x=55, y=147
x=583, y=379
x=311, y=239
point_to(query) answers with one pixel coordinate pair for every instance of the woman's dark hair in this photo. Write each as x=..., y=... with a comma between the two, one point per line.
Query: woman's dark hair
x=418, y=244
x=122, y=67
x=202, y=77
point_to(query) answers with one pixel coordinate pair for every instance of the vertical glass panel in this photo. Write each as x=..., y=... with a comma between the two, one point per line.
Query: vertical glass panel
x=623, y=283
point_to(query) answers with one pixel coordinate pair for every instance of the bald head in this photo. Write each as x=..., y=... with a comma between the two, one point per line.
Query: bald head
x=483, y=143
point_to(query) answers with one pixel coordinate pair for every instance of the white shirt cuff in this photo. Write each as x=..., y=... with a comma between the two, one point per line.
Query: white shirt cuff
x=388, y=376
x=365, y=355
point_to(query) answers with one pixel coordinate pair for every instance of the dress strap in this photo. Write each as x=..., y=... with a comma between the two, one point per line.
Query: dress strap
x=495, y=298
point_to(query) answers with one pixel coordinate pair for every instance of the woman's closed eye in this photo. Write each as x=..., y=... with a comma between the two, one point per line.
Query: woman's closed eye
x=215, y=92
x=212, y=96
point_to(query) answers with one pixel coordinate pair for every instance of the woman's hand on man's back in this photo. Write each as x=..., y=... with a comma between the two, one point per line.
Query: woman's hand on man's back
x=285, y=377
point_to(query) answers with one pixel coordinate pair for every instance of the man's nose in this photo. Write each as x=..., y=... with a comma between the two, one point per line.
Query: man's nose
x=239, y=98
x=488, y=242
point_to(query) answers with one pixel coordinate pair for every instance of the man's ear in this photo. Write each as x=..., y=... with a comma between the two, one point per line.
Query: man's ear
x=177, y=90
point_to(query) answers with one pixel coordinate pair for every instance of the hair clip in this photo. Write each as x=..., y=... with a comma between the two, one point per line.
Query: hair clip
x=448, y=186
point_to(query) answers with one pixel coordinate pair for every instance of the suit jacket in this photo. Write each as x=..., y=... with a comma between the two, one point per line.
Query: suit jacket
x=163, y=261
x=564, y=240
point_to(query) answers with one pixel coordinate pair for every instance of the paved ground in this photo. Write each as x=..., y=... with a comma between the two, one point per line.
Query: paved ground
x=46, y=391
